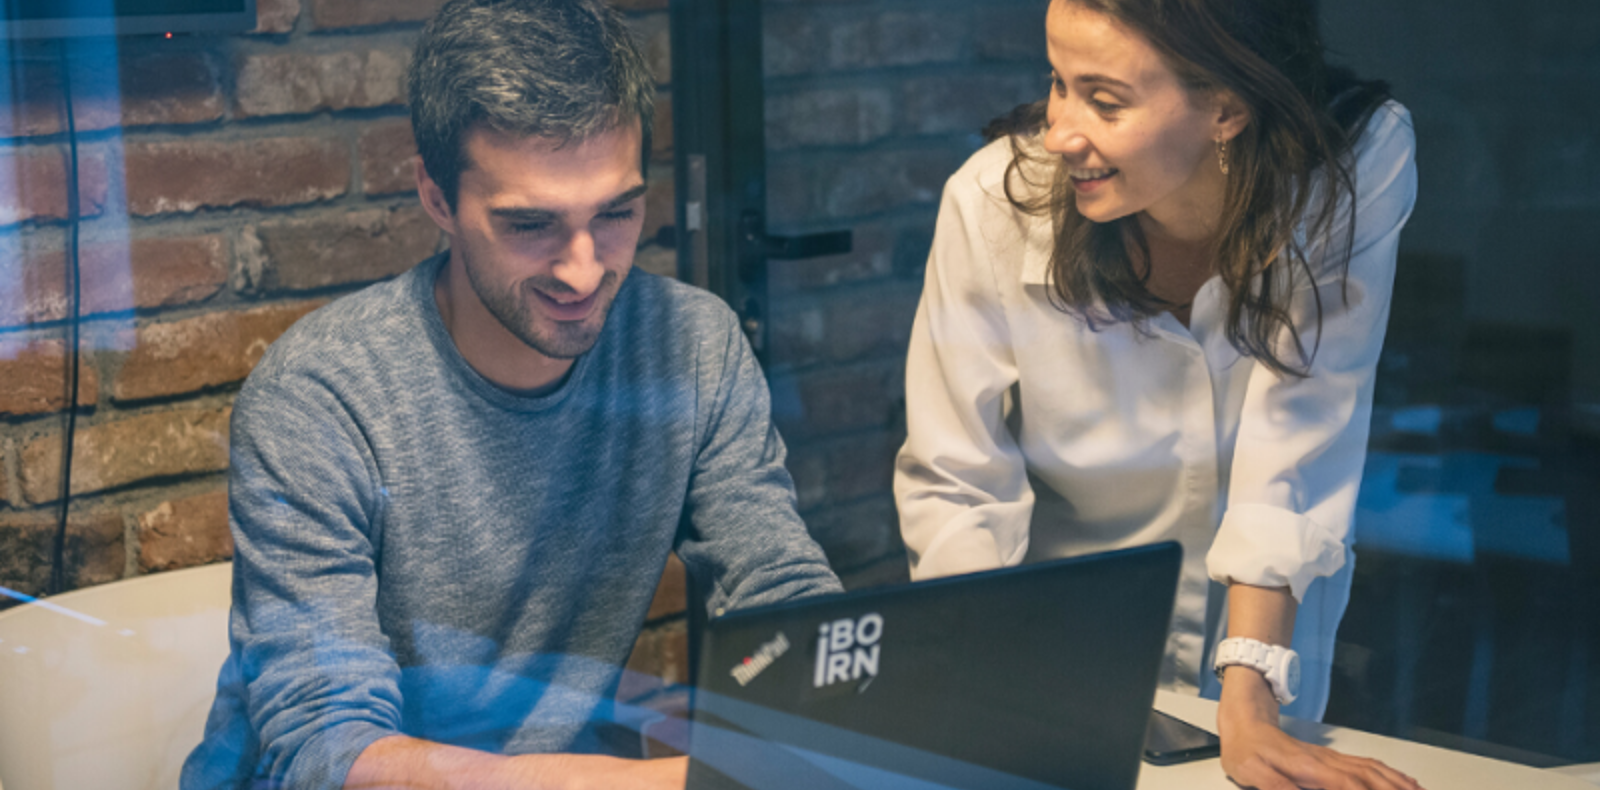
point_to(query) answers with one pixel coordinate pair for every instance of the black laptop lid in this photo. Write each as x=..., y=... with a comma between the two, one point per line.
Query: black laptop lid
x=1040, y=676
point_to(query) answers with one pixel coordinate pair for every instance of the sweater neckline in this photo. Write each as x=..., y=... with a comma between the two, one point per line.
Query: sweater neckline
x=421, y=292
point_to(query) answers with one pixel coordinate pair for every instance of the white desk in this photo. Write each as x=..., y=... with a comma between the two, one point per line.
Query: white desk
x=1435, y=768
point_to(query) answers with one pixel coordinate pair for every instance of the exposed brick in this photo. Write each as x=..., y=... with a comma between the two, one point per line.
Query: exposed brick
x=113, y=454
x=640, y=5
x=806, y=188
x=30, y=98
x=659, y=208
x=871, y=257
x=671, y=591
x=187, y=175
x=857, y=535
x=862, y=465
x=108, y=91
x=94, y=551
x=808, y=466
x=170, y=88
x=861, y=325
x=842, y=116
x=656, y=259
x=790, y=191
x=276, y=16
x=898, y=39
x=284, y=83
x=35, y=378
x=793, y=41
x=33, y=183
x=653, y=33
x=359, y=246
x=205, y=351
x=176, y=271
x=327, y=14
x=1011, y=33
x=837, y=400
x=388, y=151
x=183, y=533
x=844, y=469
x=869, y=184
x=660, y=657
x=661, y=129
x=155, y=272
x=964, y=103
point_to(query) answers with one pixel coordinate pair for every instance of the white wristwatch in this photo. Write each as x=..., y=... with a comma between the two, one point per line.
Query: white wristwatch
x=1279, y=665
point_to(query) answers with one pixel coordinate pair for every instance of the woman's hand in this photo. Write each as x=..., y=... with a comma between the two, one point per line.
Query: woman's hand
x=1257, y=753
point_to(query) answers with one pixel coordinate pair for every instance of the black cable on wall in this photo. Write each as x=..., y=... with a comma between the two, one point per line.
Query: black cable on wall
x=58, y=570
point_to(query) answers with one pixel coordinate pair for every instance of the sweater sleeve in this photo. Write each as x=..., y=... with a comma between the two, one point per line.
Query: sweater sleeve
x=960, y=480
x=1302, y=441
x=740, y=525
x=319, y=679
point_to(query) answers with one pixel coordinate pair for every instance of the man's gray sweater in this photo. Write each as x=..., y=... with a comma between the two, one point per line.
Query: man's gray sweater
x=418, y=551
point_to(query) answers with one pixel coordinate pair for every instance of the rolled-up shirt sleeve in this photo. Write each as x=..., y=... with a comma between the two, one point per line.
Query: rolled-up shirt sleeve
x=960, y=480
x=1302, y=442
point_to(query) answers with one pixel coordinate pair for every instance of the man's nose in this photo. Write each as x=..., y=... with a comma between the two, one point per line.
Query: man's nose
x=579, y=268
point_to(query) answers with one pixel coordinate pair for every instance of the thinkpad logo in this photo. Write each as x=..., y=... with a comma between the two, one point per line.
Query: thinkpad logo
x=848, y=650
x=753, y=664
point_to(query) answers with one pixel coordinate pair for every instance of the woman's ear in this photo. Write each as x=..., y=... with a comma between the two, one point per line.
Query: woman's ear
x=433, y=199
x=1232, y=116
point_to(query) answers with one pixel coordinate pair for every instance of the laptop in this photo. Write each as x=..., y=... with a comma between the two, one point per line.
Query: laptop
x=1038, y=677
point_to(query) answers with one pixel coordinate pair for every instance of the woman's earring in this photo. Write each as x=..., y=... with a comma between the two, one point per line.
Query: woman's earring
x=1222, y=154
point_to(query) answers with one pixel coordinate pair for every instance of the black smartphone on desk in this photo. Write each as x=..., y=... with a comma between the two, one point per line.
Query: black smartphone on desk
x=1169, y=741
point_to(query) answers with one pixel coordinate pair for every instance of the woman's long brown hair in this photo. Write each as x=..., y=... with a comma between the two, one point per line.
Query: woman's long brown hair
x=1289, y=170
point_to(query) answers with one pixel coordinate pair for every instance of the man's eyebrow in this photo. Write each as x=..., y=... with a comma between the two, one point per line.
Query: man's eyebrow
x=1101, y=79
x=519, y=214
x=526, y=214
x=626, y=197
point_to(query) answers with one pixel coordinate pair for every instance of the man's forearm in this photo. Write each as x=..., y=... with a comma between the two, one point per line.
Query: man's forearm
x=399, y=761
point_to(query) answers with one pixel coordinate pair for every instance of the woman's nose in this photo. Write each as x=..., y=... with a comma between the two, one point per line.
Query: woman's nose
x=1063, y=138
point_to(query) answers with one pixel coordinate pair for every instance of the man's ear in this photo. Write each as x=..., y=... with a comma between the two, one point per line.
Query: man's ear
x=1233, y=115
x=433, y=199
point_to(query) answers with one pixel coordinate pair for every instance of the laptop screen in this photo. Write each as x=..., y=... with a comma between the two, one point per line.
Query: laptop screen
x=1040, y=676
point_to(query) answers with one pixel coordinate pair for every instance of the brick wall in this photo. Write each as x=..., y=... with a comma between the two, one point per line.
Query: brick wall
x=228, y=185
x=871, y=105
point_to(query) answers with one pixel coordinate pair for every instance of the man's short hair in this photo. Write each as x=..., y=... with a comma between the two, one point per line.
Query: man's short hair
x=561, y=69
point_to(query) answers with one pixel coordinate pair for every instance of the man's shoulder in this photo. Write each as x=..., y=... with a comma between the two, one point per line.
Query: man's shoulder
x=355, y=325
x=676, y=309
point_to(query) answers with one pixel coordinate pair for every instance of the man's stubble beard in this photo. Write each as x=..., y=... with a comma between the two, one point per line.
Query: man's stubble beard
x=568, y=340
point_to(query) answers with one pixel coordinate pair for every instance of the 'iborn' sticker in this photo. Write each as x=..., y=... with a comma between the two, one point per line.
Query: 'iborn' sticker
x=848, y=650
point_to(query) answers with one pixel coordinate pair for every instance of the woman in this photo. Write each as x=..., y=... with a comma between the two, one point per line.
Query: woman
x=1153, y=312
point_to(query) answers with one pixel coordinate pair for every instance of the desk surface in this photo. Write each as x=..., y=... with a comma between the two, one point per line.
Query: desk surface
x=1435, y=768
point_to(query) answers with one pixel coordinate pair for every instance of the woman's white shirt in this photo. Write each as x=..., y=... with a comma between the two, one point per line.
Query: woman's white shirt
x=1033, y=435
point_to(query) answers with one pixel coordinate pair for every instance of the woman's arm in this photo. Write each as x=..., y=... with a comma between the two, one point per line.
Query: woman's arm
x=1297, y=469
x=1255, y=751
x=960, y=481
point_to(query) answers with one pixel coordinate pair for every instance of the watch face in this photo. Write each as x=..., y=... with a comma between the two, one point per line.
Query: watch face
x=1291, y=673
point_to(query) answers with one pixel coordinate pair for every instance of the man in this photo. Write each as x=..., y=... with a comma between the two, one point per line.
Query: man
x=452, y=493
